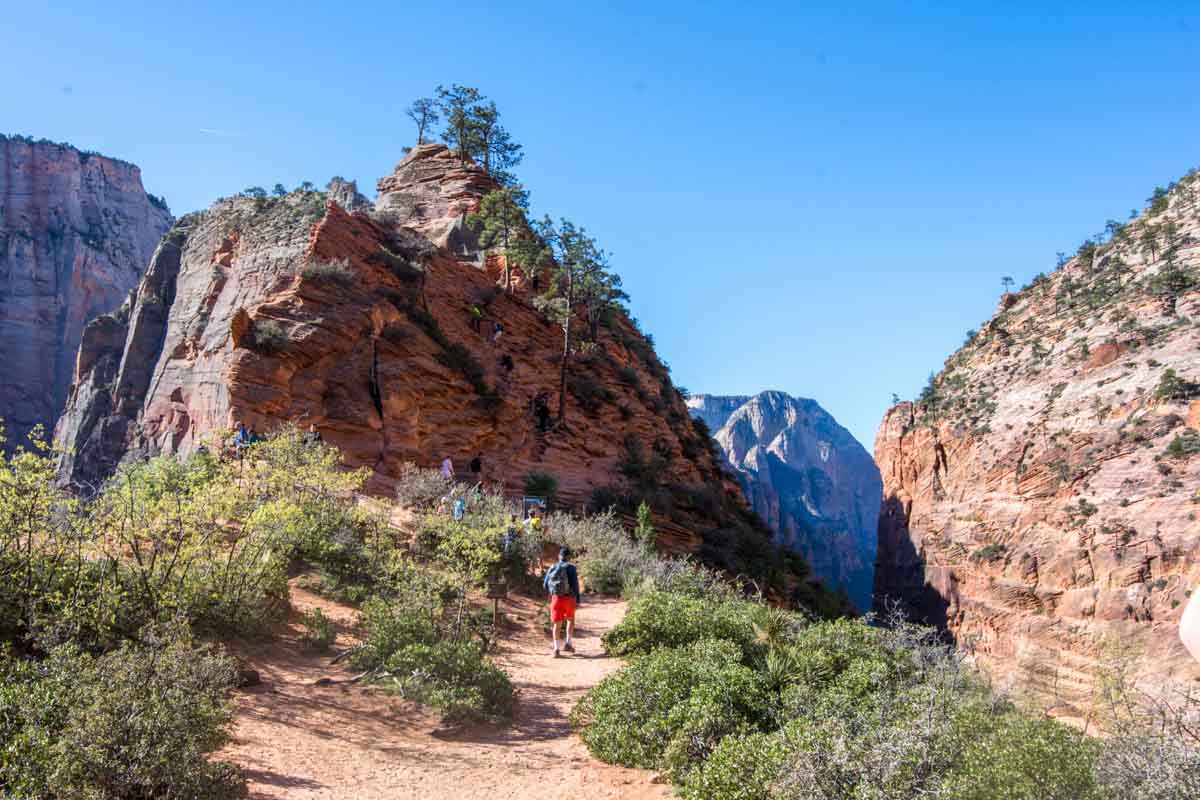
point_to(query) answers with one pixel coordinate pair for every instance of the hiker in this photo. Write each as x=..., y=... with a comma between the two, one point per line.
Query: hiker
x=497, y=332
x=536, y=283
x=241, y=439
x=562, y=584
x=533, y=521
x=1189, y=626
x=477, y=468
x=476, y=319
x=443, y=507
x=312, y=437
x=541, y=407
x=460, y=509
x=447, y=468
x=512, y=536
x=506, y=362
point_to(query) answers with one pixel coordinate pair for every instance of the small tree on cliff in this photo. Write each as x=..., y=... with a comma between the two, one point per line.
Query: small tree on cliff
x=423, y=112
x=500, y=222
x=577, y=262
x=1007, y=283
x=458, y=105
x=492, y=144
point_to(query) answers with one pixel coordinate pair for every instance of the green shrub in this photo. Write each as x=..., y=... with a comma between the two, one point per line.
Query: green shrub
x=990, y=552
x=453, y=677
x=318, y=630
x=268, y=336
x=592, y=396
x=665, y=619
x=420, y=489
x=139, y=722
x=1183, y=445
x=627, y=718
x=337, y=271
x=541, y=484
x=458, y=357
x=740, y=768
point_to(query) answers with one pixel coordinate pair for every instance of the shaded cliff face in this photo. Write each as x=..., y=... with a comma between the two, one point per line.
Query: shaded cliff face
x=293, y=309
x=76, y=232
x=1042, y=498
x=808, y=477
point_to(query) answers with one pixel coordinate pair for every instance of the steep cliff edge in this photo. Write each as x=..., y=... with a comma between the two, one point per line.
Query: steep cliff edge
x=813, y=483
x=292, y=309
x=1040, y=499
x=76, y=232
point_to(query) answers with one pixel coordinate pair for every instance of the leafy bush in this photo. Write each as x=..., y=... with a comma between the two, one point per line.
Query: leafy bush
x=337, y=271
x=990, y=552
x=631, y=718
x=541, y=484
x=268, y=336
x=665, y=619
x=420, y=489
x=592, y=396
x=1183, y=445
x=453, y=677
x=139, y=722
x=318, y=630
x=458, y=357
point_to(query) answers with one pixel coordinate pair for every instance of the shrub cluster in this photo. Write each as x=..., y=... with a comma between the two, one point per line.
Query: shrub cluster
x=734, y=701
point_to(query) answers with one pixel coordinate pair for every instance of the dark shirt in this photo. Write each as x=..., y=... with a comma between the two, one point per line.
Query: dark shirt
x=476, y=465
x=572, y=580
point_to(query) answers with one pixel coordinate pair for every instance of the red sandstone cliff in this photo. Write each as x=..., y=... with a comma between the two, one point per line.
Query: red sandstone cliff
x=1042, y=497
x=293, y=309
x=76, y=232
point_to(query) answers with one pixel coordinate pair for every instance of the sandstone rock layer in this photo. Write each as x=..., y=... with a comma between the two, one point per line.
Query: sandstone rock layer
x=1040, y=500
x=76, y=232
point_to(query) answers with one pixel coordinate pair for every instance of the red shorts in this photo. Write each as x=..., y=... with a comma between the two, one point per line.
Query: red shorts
x=562, y=607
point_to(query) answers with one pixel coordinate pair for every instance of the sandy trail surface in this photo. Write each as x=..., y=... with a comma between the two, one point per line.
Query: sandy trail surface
x=297, y=739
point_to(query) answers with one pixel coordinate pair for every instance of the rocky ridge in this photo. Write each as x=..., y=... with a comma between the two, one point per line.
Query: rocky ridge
x=293, y=309
x=1040, y=499
x=813, y=483
x=76, y=232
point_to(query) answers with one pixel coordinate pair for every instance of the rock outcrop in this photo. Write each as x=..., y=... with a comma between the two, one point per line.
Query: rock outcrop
x=292, y=309
x=813, y=483
x=76, y=231
x=1040, y=500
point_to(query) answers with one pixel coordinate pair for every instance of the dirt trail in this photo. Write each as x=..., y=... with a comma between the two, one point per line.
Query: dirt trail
x=299, y=740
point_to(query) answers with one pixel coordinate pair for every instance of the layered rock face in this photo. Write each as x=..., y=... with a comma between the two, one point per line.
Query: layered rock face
x=293, y=309
x=76, y=232
x=813, y=483
x=1041, y=498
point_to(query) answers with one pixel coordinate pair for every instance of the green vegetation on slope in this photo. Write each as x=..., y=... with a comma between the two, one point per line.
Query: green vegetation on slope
x=734, y=700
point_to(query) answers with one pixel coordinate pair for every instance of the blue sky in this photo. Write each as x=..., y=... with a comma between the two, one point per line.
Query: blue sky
x=819, y=198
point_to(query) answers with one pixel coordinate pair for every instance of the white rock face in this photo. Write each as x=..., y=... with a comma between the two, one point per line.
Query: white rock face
x=76, y=233
x=812, y=481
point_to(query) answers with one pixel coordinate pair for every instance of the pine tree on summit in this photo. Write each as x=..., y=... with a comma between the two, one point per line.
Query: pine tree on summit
x=458, y=104
x=423, y=112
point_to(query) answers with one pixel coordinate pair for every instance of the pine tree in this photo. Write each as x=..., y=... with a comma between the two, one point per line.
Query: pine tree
x=423, y=112
x=500, y=221
x=458, y=105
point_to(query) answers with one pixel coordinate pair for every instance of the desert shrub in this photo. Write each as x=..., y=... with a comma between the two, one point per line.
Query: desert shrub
x=1183, y=445
x=318, y=630
x=139, y=722
x=741, y=767
x=666, y=619
x=592, y=396
x=337, y=271
x=420, y=489
x=268, y=336
x=454, y=677
x=989, y=552
x=630, y=718
x=1172, y=387
x=541, y=484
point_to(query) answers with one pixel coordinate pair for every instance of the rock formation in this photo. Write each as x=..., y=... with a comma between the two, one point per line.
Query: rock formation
x=76, y=231
x=1040, y=499
x=292, y=309
x=813, y=483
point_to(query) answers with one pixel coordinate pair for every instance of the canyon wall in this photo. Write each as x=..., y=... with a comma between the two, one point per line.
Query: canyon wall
x=76, y=232
x=808, y=477
x=269, y=311
x=1041, y=497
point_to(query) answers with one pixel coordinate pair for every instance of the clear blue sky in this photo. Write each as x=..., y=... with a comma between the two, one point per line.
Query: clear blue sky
x=817, y=198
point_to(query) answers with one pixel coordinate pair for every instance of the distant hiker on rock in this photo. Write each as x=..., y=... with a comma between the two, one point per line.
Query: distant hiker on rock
x=506, y=362
x=541, y=408
x=1189, y=626
x=477, y=319
x=460, y=509
x=447, y=468
x=562, y=584
x=312, y=437
x=241, y=439
x=477, y=468
x=497, y=332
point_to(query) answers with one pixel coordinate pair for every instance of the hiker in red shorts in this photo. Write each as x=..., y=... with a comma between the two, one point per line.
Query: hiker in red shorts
x=562, y=584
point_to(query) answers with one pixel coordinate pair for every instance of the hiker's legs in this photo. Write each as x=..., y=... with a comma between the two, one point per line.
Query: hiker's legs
x=554, y=634
x=570, y=626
